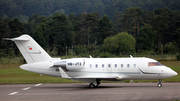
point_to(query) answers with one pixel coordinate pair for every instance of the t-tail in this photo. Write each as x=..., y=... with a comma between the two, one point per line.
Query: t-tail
x=30, y=49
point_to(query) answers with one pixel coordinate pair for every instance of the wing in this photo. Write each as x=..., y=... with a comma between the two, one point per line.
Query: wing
x=92, y=77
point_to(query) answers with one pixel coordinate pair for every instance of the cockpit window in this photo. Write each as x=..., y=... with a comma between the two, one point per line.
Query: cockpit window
x=154, y=64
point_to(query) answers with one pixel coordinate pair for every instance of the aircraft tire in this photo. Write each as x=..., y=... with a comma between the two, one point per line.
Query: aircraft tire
x=91, y=85
x=159, y=85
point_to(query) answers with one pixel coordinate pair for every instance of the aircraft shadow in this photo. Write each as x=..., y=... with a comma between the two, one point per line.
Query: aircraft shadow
x=86, y=87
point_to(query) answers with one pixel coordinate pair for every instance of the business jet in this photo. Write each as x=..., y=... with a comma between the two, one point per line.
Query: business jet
x=90, y=70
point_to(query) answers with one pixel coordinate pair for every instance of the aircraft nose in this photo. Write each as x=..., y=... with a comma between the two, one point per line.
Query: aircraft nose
x=174, y=73
x=171, y=72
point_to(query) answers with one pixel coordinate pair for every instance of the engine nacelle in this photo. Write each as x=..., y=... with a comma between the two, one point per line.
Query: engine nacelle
x=71, y=64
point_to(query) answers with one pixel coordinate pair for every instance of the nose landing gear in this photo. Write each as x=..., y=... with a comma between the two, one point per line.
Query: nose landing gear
x=159, y=84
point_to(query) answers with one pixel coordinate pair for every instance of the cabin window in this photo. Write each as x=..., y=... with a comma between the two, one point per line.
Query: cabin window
x=127, y=65
x=115, y=65
x=90, y=66
x=121, y=65
x=154, y=64
x=96, y=65
x=102, y=65
x=109, y=65
x=134, y=65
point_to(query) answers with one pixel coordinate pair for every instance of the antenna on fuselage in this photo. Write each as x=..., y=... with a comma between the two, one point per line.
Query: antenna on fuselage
x=131, y=56
x=90, y=56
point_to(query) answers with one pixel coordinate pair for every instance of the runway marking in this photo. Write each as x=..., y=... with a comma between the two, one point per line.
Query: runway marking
x=128, y=93
x=27, y=88
x=13, y=93
x=38, y=84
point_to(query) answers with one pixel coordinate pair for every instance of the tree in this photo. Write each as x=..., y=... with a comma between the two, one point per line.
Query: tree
x=4, y=45
x=117, y=20
x=126, y=22
x=161, y=26
x=105, y=28
x=120, y=43
x=34, y=21
x=40, y=35
x=60, y=33
x=160, y=23
x=177, y=35
x=170, y=48
x=16, y=29
x=98, y=7
x=174, y=23
x=72, y=18
x=134, y=15
x=146, y=39
x=92, y=28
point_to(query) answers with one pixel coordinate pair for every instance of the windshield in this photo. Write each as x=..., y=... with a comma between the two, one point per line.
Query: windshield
x=154, y=64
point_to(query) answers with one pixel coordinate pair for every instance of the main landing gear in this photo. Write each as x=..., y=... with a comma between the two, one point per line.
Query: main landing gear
x=94, y=84
x=159, y=84
x=91, y=85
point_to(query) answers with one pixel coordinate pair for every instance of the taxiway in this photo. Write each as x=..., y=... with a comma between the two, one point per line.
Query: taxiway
x=81, y=92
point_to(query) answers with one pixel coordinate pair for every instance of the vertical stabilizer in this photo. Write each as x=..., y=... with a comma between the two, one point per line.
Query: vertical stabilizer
x=30, y=49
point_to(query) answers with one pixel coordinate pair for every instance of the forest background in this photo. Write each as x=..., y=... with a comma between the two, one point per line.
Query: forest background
x=100, y=28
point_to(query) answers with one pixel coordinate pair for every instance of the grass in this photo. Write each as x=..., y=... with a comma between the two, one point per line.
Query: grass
x=10, y=73
x=12, y=60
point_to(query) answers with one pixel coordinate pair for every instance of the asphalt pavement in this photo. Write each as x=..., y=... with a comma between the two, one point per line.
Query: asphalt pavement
x=81, y=92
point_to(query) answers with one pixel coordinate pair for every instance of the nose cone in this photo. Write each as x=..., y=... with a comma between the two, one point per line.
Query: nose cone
x=169, y=72
x=174, y=73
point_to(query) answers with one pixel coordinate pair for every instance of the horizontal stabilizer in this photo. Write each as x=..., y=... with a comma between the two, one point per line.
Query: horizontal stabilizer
x=17, y=39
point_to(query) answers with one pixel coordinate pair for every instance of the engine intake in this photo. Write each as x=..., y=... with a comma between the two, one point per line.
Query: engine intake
x=70, y=65
x=61, y=64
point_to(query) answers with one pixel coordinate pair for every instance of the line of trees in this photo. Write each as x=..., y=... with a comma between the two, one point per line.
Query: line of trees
x=23, y=9
x=88, y=33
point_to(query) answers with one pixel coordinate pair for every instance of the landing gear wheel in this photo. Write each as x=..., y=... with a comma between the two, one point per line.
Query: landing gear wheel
x=159, y=85
x=91, y=85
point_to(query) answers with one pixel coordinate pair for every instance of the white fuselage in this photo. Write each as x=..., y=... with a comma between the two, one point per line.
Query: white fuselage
x=103, y=68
